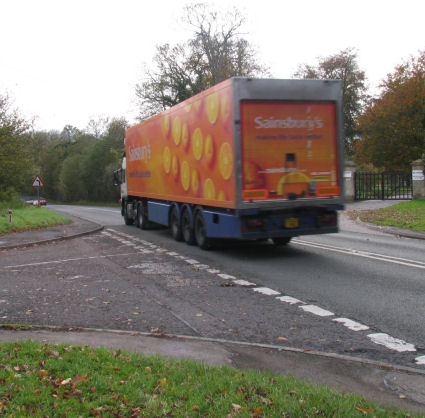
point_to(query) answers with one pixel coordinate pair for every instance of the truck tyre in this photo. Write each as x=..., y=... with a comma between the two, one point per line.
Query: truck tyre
x=281, y=240
x=200, y=229
x=175, y=227
x=127, y=219
x=141, y=219
x=187, y=230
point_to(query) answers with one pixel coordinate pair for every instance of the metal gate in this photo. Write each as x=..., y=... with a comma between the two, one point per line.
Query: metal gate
x=383, y=186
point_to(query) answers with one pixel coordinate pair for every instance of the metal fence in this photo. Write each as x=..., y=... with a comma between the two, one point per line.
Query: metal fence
x=383, y=186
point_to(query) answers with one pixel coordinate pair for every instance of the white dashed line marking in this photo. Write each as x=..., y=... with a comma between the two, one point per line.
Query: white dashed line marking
x=378, y=338
x=420, y=360
x=353, y=325
x=244, y=283
x=189, y=261
x=266, y=291
x=226, y=276
x=391, y=342
x=316, y=310
x=289, y=299
x=201, y=266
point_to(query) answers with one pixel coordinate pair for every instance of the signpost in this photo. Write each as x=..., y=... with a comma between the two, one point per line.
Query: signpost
x=37, y=183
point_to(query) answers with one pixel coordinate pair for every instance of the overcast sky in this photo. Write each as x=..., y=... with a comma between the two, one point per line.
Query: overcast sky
x=69, y=61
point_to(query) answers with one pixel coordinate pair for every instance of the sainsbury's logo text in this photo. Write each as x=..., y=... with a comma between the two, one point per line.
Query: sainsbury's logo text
x=288, y=123
x=140, y=153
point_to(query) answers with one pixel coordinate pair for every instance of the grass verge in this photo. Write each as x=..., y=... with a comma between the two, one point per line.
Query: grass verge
x=30, y=217
x=409, y=215
x=62, y=380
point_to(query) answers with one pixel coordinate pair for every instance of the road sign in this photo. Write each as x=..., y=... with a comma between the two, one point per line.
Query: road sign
x=37, y=182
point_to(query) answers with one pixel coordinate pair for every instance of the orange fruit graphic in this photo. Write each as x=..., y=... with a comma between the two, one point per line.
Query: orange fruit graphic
x=175, y=166
x=209, y=150
x=185, y=136
x=221, y=195
x=212, y=107
x=197, y=144
x=165, y=126
x=292, y=178
x=209, y=189
x=252, y=178
x=177, y=130
x=225, y=160
x=166, y=159
x=225, y=109
x=185, y=175
x=195, y=181
x=197, y=106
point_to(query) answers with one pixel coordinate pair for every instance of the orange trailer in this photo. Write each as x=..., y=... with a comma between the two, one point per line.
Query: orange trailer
x=247, y=159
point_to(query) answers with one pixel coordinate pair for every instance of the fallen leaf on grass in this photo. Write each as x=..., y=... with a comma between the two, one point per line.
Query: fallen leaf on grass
x=79, y=379
x=236, y=407
x=364, y=411
x=43, y=373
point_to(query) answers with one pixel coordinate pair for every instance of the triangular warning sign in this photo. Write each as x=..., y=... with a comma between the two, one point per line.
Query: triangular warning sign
x=37, y=182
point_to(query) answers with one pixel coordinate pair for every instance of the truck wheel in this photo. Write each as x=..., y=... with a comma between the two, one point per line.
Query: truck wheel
x=201, y=231
x=141, y=219
x=176, y=230
x=127, y=219
x=281, y=240
x=187, y=230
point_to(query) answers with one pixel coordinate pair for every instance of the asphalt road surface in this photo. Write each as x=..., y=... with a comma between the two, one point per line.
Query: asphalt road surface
x=358, y=292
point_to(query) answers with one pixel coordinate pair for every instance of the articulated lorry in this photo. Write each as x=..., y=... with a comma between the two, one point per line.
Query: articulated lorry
x=248, y=159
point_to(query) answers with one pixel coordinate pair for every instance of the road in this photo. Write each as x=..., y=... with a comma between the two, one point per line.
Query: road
x=371, y=278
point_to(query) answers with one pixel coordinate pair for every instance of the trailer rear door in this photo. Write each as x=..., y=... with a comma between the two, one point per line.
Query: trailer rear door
x=289, y=150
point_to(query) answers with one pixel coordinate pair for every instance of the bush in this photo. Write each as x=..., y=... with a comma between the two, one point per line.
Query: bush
x=9, y=199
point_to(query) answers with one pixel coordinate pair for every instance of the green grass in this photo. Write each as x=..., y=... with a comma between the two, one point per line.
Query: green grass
x=61, y=380
x=410, y=215
x=30, y=217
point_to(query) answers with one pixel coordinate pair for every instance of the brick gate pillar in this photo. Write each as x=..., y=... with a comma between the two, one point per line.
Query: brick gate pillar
x=349, y=186
x=418, y=179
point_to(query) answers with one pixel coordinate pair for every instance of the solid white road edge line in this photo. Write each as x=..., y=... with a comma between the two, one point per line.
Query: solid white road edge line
x=357, y=253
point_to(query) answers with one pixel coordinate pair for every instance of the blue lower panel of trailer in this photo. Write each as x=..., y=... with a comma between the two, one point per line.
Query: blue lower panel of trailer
x=222, y=225
x=158, y=212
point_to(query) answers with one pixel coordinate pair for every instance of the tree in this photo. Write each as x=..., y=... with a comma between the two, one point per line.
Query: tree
x=215, y=52
x=343, y=66
x=393, y=126
x=15, y=158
